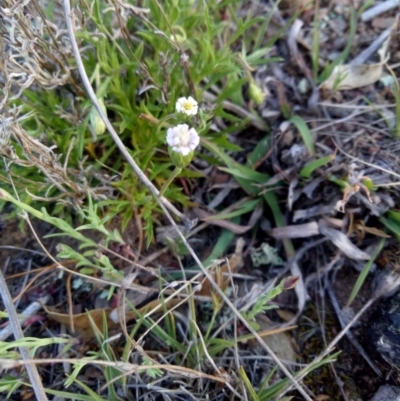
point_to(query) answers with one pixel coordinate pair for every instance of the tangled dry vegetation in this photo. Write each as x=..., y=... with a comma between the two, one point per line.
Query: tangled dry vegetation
x=243, y=273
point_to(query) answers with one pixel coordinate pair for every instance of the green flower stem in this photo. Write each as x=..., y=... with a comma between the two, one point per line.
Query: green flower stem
x=174, y=174
x=211, y=324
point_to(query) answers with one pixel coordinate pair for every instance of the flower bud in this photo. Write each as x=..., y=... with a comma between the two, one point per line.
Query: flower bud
x=178, y=159
x=96, y=121
x=255, y=92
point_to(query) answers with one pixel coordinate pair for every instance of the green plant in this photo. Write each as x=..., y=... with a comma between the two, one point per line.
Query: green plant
x=138, y=82
x=141, y=62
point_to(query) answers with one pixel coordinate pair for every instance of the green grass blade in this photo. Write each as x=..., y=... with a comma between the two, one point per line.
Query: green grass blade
x=304, y=132
x=364, y=273
x=392, y=225
x=247, y=207
x=250, y=388
x=309, y=168
x=73, y=396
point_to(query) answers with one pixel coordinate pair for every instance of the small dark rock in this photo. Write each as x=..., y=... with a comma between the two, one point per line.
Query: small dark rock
x=387, y=393
x=384, y=332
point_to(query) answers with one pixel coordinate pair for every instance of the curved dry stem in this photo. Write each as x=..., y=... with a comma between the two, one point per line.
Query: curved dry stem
x=85, y=80
x=164, y=204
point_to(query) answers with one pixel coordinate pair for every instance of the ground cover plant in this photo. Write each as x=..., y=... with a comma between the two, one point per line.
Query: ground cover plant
x=204, y=191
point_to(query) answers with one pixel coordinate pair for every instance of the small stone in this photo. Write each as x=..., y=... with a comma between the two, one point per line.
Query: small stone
x=387, y=393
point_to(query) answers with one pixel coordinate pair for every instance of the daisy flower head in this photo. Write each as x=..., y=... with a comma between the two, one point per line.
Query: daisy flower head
x=187, y=106
x=182, y=139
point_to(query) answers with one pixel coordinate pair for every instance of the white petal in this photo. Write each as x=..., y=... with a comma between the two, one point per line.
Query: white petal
x=175, y=141
x=170, y=132
x=172, y=137
x=179, y=104
x=183, y=128
x=193, y=133
x=182, y=139
x=185, y=150
x=194, y=137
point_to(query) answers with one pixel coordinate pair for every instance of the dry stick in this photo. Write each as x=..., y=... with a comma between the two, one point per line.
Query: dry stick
x=103, y=116
x=366, y=163
x=349, y=334
x=31, y=368
x=28, y=312
x=331, y=345
x=380, y=8
x=372, y=48
x=164, y=204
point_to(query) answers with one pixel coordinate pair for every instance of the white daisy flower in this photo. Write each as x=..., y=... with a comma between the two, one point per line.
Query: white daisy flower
x=187, y=106
x=182, y=139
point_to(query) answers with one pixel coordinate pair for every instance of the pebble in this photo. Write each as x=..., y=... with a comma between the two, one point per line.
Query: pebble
x=387, y=393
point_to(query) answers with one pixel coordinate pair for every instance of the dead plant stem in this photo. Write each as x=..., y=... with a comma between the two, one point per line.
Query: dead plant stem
x=31, y=368
x=164, y=204
x=330, y=346
x=110, y=128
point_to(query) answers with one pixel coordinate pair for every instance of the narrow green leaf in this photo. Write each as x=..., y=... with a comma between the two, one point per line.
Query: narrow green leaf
x=72, y=396
x=250, y=388
x=259, y=152
x=233, y=88
x=246, y=208
x=364, y=273
x=392, y=225
x=304, y=132
x=246, y=173
x=394, y=215
x=246, y=184
x=309, y=168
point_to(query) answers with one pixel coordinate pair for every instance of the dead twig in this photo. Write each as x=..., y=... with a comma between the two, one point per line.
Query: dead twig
x=349, y=334
x=29, y=311
x=164, y=204
x=378, y=9
x=31, y=368
x=154, y=191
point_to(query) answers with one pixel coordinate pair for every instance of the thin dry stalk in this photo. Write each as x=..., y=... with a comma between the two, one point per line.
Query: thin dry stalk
x=31, y=368
x=349, y=334
x=164, y=204
x=29, y=311
x=154, y=191
x=331, y=345
x=126, y=367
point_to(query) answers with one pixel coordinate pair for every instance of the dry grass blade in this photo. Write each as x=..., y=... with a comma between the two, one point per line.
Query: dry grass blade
x=379, y=8
x=125, y=367
x=342, y=242
x=295, y=231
